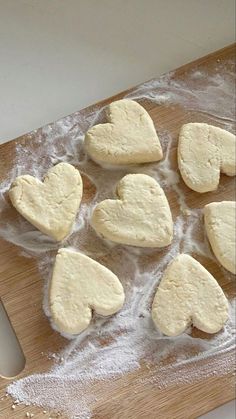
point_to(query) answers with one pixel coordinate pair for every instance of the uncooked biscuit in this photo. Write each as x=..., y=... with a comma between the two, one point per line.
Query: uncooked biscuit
x=187, y=294
x=79, y=285
x=128, y=137
x=220, y=224
x=140, y=217
x=52, y=205
x=205, y=151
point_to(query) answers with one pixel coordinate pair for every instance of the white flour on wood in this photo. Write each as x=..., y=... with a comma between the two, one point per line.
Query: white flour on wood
x=86, y=367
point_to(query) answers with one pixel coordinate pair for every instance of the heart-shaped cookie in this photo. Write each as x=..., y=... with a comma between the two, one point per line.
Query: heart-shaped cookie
x=79, y=285
x=140, y=217
x=220, y=224
x=203, y=152
x=128, y=137
x=52, y=205
x=187, y=294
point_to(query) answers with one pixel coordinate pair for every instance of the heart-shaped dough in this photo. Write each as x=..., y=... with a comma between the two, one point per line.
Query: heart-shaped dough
x=141, y=217
x=220, y=224
x=187, y=294
x=128, y=137
x=52, y=205
x=79, y=285
x=203, y=152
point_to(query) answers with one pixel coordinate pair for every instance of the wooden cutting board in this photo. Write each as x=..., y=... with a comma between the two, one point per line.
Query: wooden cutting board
x=21, y=292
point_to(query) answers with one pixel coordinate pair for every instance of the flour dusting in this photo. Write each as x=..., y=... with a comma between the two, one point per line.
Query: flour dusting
x=124, y=343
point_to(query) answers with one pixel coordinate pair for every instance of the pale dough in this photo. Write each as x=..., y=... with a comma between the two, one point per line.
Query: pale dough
x=220, y=224
x=79, y=285
x=128, y=137
x=140, y=217
x=187, y=294
x=52, y=205
x=203, y=152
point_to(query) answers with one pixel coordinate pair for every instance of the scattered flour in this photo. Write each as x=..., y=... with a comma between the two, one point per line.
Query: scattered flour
x=112, y=347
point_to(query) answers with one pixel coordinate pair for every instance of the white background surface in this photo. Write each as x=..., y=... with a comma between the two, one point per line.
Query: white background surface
x=57, y=56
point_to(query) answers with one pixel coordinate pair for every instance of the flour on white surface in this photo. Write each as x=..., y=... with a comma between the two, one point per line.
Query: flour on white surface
x=87, y=363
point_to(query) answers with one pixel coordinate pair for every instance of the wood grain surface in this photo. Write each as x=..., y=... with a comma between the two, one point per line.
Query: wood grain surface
x=21, y=290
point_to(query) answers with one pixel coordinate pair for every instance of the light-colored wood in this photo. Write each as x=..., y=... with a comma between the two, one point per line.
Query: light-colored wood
x=21, y=291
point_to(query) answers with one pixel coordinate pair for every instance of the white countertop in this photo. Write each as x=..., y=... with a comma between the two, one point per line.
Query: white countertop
x=58, y=56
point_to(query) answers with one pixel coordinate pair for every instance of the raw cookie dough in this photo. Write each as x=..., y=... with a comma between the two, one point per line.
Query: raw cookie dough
x=220, y=224
x=79, y=285
x=52, y=205
x=187, y=294
x=140, y=217
x=128, y=137
x=203, y=152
